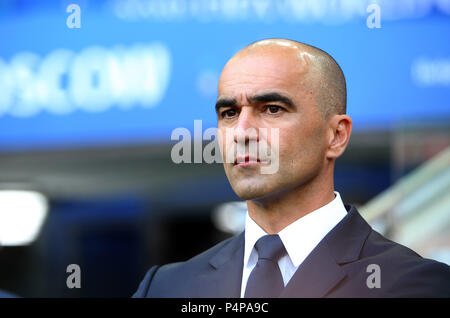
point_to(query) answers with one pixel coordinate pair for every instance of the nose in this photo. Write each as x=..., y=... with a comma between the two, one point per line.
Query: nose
x=246, y=128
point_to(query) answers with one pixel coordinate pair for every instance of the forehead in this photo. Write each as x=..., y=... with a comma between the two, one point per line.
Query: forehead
x=281, y=70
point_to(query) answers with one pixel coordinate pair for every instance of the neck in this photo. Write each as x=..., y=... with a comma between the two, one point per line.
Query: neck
x=276, y=212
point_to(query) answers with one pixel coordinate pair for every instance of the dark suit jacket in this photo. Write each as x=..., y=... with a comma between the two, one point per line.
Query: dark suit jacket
x=337, y=267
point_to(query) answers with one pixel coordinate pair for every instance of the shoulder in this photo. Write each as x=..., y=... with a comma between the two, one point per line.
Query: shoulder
x=422, y=278
x=364, y=254
x=168, y=280
x=192, y=265
x=403, y=272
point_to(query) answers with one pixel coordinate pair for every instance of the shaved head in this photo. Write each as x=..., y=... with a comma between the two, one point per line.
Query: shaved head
x=324, y=77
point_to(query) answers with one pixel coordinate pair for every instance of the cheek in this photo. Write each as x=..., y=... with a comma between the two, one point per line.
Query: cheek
x=224, y=140
x=301, y=148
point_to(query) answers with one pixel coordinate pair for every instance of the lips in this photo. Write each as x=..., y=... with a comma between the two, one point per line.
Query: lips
x=246, y=160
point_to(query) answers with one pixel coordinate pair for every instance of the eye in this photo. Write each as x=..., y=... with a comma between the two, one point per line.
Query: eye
x=229, y=113
x=273, y=109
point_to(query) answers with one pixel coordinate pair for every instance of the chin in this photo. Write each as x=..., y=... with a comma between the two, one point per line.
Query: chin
x=250, y=191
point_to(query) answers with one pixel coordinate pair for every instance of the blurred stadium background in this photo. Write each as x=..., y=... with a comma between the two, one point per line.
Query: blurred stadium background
x=86, y=116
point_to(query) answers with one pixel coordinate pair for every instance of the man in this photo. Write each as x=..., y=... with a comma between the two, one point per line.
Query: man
x=300, y=240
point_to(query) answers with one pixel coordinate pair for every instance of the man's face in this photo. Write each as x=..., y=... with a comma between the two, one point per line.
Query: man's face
x=270, y=89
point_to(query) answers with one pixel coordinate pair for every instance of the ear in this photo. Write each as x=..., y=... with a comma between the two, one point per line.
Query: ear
x=340, y=129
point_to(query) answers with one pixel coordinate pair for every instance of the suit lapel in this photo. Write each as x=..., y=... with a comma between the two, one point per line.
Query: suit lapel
x=225, y=275
x=318, y=273
x=321, y=270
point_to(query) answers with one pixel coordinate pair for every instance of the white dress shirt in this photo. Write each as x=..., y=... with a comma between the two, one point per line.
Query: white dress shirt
x=299, y=238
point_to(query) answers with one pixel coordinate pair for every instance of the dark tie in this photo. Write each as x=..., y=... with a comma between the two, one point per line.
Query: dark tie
x=265, y=280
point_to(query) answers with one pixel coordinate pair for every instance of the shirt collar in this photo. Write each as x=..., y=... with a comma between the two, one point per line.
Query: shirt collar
x=303, y=235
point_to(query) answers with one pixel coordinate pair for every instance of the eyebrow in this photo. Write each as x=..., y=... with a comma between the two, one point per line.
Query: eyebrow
x=258, y=98
x=225, y=102
x=272, y=97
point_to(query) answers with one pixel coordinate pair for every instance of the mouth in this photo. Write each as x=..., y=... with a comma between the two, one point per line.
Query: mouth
x=244, y=161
